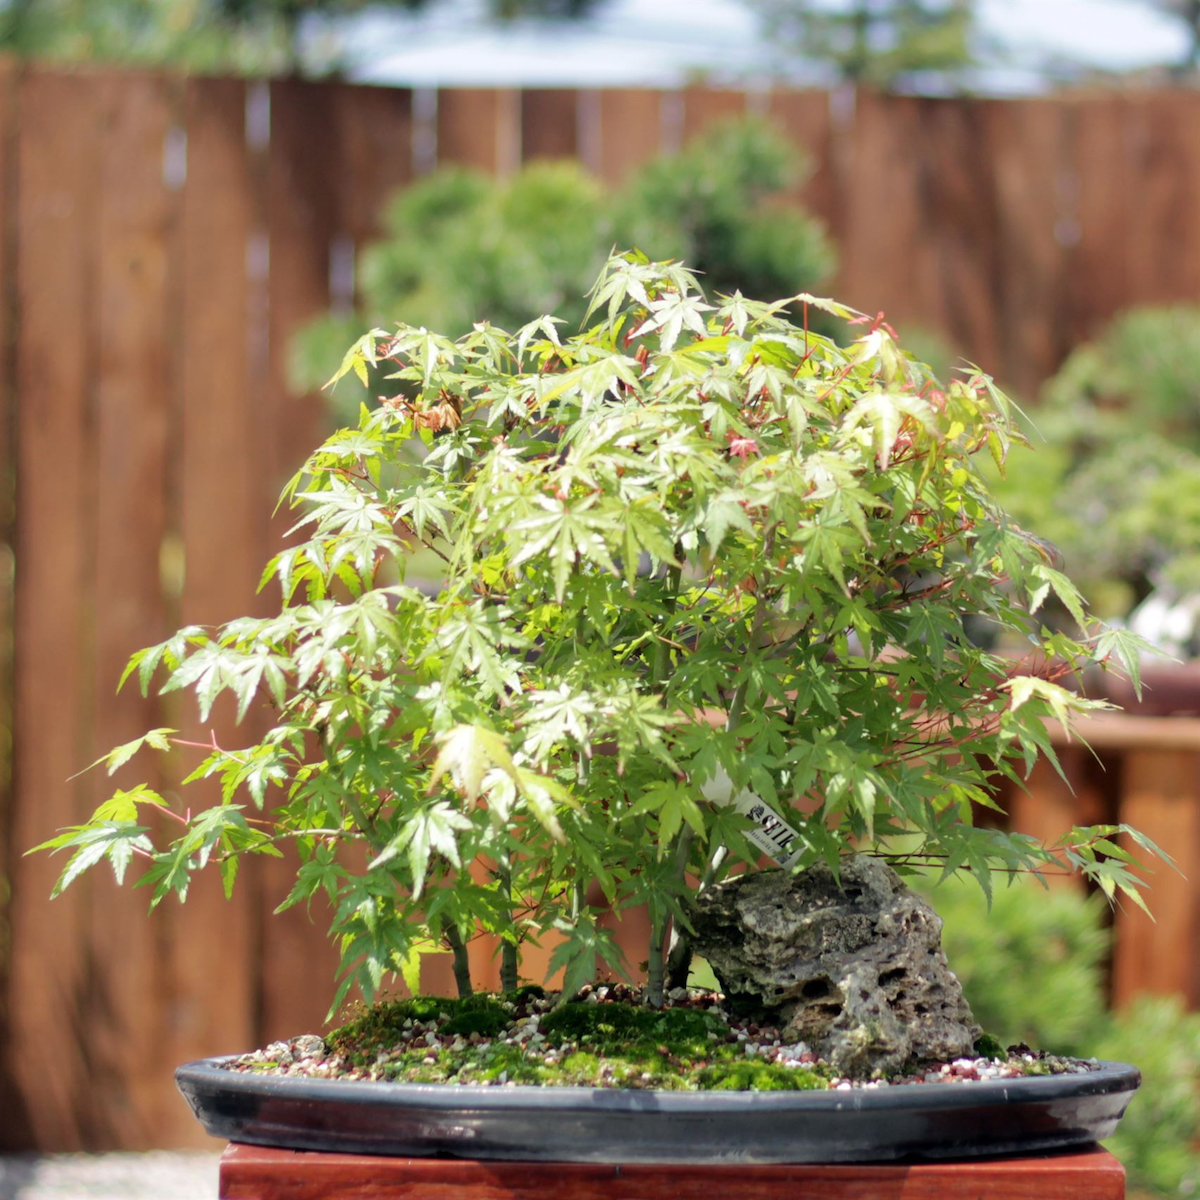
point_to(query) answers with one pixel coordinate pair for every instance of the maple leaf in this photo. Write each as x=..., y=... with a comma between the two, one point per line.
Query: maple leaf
x=742, y=447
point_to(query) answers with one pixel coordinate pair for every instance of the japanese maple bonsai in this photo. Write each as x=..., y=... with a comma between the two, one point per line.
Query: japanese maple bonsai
x=694, y=551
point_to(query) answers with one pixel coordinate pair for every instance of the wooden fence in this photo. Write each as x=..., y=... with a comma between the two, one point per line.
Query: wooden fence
x=160, y=239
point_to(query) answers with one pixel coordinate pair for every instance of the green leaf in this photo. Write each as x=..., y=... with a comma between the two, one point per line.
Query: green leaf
x=567, y=534
x=466, y=754
x=725, y=512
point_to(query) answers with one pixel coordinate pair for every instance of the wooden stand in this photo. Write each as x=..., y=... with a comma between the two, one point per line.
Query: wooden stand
x=257, y=1173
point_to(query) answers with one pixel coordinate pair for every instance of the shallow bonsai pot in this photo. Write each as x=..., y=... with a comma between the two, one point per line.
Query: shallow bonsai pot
x=962, y=1120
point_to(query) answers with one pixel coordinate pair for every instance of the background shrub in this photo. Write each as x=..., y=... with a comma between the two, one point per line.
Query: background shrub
x=460, y=246
x=1033, y=971
x=1115, y=489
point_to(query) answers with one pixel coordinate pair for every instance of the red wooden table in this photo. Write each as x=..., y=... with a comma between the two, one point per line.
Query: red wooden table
x=257, y=1173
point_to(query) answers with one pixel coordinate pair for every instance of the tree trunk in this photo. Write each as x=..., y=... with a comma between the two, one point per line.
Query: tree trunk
x=462, y=966
x=509, y=962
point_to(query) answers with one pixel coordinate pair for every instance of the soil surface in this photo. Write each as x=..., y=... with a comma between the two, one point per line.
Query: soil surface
x=604, y=1037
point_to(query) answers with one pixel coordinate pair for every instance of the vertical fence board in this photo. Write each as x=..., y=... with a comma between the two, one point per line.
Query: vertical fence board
x=1163, y=233
x=704, y=106
x=549, y=123
x=51, y=966
x=629, y=131
x=805, y=118
x=1098, y=274
x=955, y=267
x=131, y=1079
x=1026, y=143
x=15, y=1135
x=1161, y=798
x=883, y=227
x=1049, y=805
x=304, y=217
x=479, y=127
x=371, y=144
x=212, y=995
x=319, y=195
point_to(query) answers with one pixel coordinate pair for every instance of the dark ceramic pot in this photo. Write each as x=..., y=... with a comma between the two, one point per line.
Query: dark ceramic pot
x=941, y=1120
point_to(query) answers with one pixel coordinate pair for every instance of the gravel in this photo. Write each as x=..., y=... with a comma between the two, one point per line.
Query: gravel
x=156, y=1175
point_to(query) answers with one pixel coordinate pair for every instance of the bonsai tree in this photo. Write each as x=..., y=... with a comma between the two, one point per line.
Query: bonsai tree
x=693, y=552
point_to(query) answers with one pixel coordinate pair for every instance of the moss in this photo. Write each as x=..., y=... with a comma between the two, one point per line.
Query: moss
x=576, y=1021
x=989, y=1046
x=385, y=1021
x=583, y=1066
x=619, y=1024
x=486, y=1024
x=751, y=1076
x=426, y=1008
x=606, y=1044
x=527, y=991
x=481, y=1002
x=479, y=1014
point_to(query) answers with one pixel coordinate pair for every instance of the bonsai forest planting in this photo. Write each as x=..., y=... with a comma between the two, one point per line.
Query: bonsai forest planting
x=697, y=646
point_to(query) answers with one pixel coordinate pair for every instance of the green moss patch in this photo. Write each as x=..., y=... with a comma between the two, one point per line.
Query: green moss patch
x=759, y=1077
x=524, y=1038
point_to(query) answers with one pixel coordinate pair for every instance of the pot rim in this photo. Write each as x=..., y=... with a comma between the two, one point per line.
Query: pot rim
x=1110, y=1077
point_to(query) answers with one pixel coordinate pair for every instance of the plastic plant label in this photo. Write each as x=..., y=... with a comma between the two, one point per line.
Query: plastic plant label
x=773, y=835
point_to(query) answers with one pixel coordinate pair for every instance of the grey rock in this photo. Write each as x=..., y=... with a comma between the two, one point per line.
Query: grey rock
x=279, y=1052
x=308, y=1045
x=857, y=972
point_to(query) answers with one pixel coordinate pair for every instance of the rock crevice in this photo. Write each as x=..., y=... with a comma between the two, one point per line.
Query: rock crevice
x=854, y=967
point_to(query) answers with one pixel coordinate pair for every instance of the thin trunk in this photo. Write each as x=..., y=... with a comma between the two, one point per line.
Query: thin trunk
x=660, y=663
x=509, y=963
x=679, y=958
x=679, y=962
x=662, y=652
x=578, y=904
x=462, y=966
x=654, y=974
x=510, y=954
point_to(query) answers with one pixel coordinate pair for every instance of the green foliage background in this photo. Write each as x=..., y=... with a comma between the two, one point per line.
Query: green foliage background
x=460, y=246
x=1115, y=485
x=1033, y=971
x=876, y=42
x=256, y=37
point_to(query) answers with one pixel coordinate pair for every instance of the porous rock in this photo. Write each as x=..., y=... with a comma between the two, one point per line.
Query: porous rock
x=855, y=970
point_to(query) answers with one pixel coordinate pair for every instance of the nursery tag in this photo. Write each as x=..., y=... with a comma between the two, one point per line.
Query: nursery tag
x=774, y=836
